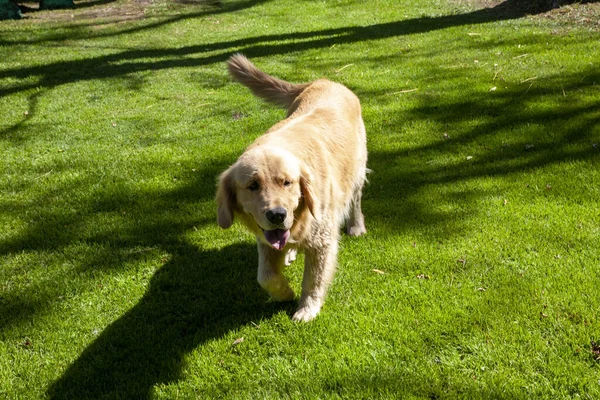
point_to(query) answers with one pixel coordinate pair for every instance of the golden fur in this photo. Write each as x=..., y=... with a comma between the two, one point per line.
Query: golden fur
x=298, y=183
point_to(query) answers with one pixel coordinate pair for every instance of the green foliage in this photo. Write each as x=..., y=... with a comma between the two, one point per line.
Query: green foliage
x=478, y=277
x=9, y=10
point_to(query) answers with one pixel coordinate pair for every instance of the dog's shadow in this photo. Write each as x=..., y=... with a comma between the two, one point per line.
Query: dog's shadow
x=196, y=296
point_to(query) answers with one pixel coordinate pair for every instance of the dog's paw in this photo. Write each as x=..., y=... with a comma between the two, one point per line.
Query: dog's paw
x=286, y=294
x=305, y=314
x=356, y=230
x=290, y=257
x=277, y=286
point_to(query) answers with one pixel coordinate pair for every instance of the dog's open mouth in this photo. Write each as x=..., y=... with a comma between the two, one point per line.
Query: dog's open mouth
x=277, y=237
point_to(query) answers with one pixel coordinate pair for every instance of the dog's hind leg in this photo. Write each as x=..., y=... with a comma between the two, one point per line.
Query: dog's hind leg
x=290, y=256
x=271, y=263
x=355, y=225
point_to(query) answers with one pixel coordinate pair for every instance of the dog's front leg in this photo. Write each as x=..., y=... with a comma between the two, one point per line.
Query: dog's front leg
x=270, y=273
x=319, y=269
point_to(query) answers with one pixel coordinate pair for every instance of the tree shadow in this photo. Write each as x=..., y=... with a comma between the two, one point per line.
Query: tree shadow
x=103, y=17
x=548, y=135
x=195, y=297
x=519, y=7
x=26, y=9
x=200, y=295
x=127, y=62
x=144, y=220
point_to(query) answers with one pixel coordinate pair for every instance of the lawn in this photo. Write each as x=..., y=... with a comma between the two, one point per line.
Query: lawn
x=479, y=276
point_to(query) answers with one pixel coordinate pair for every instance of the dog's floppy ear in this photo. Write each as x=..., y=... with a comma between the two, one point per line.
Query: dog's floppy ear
x=308, y=192
x=226, y=199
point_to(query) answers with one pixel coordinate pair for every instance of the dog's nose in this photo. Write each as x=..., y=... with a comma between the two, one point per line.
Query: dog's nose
x=276, y=215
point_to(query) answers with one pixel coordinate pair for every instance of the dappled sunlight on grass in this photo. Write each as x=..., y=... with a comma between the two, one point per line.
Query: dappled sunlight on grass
x=478, y=274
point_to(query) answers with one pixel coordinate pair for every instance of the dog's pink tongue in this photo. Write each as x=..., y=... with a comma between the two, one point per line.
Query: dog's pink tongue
x=277, y=237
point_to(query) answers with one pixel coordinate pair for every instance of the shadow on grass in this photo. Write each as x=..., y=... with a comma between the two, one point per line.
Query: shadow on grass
x=195, y=297
x=199, y=295
x=538, y=6
x=77, y=6
x=134, y=61
x=117, y=11
x=131, y=61
x=508, y=133
x=129, y=219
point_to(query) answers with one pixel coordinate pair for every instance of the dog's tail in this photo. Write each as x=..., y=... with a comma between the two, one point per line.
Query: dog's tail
x=267, y=87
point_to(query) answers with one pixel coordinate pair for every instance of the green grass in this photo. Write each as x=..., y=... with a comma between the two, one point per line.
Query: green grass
x=483, y=208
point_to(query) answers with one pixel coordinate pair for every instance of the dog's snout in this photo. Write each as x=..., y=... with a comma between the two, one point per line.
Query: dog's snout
x=276, y=215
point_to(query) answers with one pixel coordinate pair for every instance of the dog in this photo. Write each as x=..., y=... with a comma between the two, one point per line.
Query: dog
x=297, y=184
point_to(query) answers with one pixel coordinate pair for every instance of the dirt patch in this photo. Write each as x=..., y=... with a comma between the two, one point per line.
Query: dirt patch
x=532, y=6
x=113, y=11
x=580, y=13
x=477, y=3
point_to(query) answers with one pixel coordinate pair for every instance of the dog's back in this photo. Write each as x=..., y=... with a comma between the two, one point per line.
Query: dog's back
x=296, y=98
x=324, y=128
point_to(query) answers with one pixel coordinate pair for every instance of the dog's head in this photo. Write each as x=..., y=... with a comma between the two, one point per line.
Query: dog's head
x=268, y=188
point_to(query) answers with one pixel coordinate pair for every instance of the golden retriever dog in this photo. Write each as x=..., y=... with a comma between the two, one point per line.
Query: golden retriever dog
x=297, y=184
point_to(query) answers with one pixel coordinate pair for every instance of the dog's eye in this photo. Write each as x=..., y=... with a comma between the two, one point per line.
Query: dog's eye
x=287, y=183
x=253, y=186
